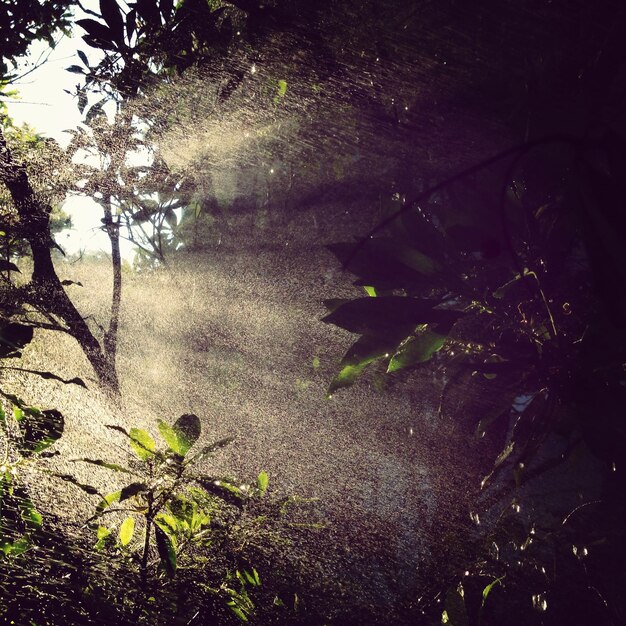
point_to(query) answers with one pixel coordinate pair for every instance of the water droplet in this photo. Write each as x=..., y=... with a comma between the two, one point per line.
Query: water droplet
x=539, y=602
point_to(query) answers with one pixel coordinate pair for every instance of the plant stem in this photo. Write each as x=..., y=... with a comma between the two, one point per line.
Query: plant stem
x=146, y=543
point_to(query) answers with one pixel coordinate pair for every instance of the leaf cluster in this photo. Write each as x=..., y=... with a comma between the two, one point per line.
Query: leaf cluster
x=510, y=279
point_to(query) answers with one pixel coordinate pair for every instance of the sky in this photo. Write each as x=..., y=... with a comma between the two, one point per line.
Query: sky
x=45, y=105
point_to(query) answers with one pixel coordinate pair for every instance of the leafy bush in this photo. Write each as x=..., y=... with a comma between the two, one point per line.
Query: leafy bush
x=509, y=278
x=171, y=517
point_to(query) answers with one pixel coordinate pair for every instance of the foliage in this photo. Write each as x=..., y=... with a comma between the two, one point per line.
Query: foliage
x=510, y=280
x=22, y=23
x=171, y=509
x=27, y=432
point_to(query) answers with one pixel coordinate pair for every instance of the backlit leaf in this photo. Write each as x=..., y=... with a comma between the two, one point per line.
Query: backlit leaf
x=262, y=482
x=142, y=443
x=416, y=350
x=127, y=530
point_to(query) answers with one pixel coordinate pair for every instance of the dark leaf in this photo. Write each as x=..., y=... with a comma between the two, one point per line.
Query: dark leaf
x=96, y=30
x=132, y=490
x=71, y=282
x=113, y=17
x=167, y=550
x=131, y=23
x=8, y=266
x=82, y=101
x=50, y=376
x=334, y=303
x=41, y=430
x=118, y=428
x=100, y=463
x=387, y=263
x=210, y=449
x=187, y=428
x=382, y=315
x=100, y=44
x=83, y=57
x=166, y=7
x=170, y=218
x=70, y=479
x=455, y=607
x=95, y=111
x=149, y=11
x=75, y=69
x=14, y=336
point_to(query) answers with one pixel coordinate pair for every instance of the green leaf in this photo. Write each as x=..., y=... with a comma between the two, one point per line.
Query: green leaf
x=166, y=549
x=222, y=489
x=102, y=532
x=363, y=352
x=127, y=530
x=15, y=548
x=142, y=443
x=370, y=291
x=489, y=587
x=262, y=482
x=30, y=513
x=169, y=436
x=119, y=496
x=187, y=428
x=501, y=291
x=108, y=500
x=237, y=611
x=416, y=350
x=167, y=522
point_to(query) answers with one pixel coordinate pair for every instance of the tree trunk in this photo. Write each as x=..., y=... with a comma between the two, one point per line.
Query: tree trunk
x=47, y=290
x=113, y=231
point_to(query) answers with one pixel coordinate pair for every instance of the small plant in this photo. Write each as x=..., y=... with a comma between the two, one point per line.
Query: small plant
x=168, y=509
x=26, y=432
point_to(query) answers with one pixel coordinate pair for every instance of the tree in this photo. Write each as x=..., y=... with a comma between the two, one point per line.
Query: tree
x=27, y=21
